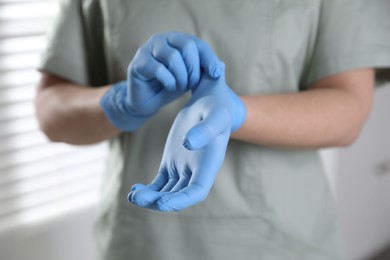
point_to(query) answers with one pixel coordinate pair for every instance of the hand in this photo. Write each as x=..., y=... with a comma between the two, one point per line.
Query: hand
x=189, y=166
x=163, y=69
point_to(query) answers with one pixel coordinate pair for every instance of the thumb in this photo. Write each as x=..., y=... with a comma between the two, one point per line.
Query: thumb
x=203, y=133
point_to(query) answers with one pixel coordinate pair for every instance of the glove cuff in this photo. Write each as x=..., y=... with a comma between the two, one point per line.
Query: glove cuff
x=117, y=110
x=239, y=113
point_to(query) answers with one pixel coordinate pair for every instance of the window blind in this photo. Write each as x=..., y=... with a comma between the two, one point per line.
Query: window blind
x=38, y=179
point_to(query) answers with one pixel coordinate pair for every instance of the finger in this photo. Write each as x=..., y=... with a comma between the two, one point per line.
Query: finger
x=173, y=179
x=202, y=179
x=134, y=188
x=190, y=55
x=160, y=180
x=185, y=178
x=137, y=186
x=145, y=197
x=140, y=186
x=148, y=68
x=216, y=122
x=208, y=60
x=172, y=60
x=183, y=199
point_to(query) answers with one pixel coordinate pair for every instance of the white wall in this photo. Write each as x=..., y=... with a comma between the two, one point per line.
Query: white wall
x=360, y=176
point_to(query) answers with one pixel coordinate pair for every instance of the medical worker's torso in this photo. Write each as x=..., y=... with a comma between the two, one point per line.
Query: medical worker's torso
x=268, y=204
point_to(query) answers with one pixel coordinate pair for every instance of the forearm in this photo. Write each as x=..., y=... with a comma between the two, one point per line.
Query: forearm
x=317, y=118
x=72, y=114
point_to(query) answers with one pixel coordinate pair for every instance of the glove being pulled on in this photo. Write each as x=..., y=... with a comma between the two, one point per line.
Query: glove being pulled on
x=163, y=69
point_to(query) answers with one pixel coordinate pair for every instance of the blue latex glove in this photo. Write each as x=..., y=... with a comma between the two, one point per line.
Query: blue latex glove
x=163, y=69
x=190, y=164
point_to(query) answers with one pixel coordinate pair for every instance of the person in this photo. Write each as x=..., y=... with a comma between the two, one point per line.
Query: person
x=301, y=73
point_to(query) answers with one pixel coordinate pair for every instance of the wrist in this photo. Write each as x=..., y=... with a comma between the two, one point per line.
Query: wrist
x=240, y=111
x=118, y=111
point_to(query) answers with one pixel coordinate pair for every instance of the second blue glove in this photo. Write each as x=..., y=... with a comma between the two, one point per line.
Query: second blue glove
x=162, y=70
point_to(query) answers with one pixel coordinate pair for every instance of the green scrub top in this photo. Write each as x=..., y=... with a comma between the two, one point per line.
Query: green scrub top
x=266, y=203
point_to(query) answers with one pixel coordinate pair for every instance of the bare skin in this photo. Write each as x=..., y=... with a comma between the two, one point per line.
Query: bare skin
x=70, y=113
x=331, y=113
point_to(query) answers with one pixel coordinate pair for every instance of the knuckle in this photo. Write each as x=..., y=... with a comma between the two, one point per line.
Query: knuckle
x=134, y=68
x=201, y=43
x=189, y=47
x=139, y=63
x=155, y=37
x=174, y=34
x=159, y=70
x=136, y=72
x=173, y=58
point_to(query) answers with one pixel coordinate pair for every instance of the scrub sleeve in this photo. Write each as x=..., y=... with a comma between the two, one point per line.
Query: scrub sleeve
x=76, y=46
x=352, y=35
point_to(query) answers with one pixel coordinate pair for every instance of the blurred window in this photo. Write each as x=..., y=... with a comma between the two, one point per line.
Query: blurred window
x=38, y=179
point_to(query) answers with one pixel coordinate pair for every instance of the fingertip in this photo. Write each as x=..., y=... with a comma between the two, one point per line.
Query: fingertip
x=133, y=197
x=216, y=70
x=133, y=189
x=192, y=140
x=187, y=144
x=145, y=198
x=137, y=186
x=130, y=196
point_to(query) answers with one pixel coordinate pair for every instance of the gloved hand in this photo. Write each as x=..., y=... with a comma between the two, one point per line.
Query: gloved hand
x=189, y=166
x=163, y=69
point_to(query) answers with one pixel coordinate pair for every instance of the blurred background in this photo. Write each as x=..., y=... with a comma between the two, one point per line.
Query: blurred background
x=49, y=192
